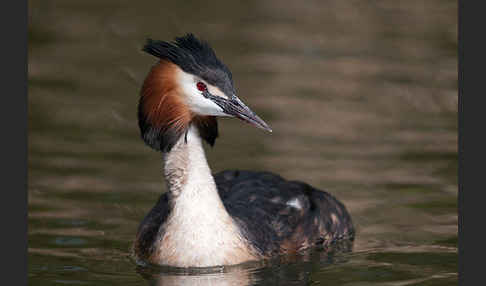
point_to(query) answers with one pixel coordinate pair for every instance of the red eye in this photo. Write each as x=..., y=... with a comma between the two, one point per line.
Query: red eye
x=201, y=86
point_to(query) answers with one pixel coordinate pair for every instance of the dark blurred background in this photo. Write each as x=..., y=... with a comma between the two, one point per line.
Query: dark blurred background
x=361, y=95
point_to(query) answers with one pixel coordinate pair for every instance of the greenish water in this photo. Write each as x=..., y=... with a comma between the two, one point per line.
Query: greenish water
x=361, y=96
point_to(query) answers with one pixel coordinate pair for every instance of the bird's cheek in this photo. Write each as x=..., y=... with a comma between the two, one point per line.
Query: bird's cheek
x=204, y=106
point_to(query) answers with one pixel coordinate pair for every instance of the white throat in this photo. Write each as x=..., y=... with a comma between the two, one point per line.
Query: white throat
x=186, y=169
x=199, y=232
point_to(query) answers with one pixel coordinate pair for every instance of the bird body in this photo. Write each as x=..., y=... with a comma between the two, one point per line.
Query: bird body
x=233, y=216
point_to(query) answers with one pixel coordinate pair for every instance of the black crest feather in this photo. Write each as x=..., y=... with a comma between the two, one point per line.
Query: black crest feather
x=193, y=56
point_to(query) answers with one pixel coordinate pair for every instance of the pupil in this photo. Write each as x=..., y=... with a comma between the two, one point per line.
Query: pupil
x=201, y=86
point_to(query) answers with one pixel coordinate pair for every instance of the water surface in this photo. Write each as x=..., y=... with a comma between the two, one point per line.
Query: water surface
x=361, y=96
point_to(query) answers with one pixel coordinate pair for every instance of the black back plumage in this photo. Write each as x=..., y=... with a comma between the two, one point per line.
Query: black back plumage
x=259, y=204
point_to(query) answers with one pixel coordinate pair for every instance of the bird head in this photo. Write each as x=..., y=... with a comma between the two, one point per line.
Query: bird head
x=189, y=85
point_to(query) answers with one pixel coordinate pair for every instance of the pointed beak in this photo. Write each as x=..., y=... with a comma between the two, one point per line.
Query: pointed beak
x=236, y=108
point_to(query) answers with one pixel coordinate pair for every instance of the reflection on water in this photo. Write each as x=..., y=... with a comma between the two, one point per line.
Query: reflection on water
x=285, y=270
x=362, y=98
x=235, y=276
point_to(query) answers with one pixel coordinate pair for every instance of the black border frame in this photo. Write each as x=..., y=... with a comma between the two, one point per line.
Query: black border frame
x=14, y=47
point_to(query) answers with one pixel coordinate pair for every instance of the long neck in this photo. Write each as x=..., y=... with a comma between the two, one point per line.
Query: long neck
x=187, y=172
x=200, y=232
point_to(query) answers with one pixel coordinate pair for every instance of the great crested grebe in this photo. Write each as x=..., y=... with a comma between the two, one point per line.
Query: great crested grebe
x=233, y=216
